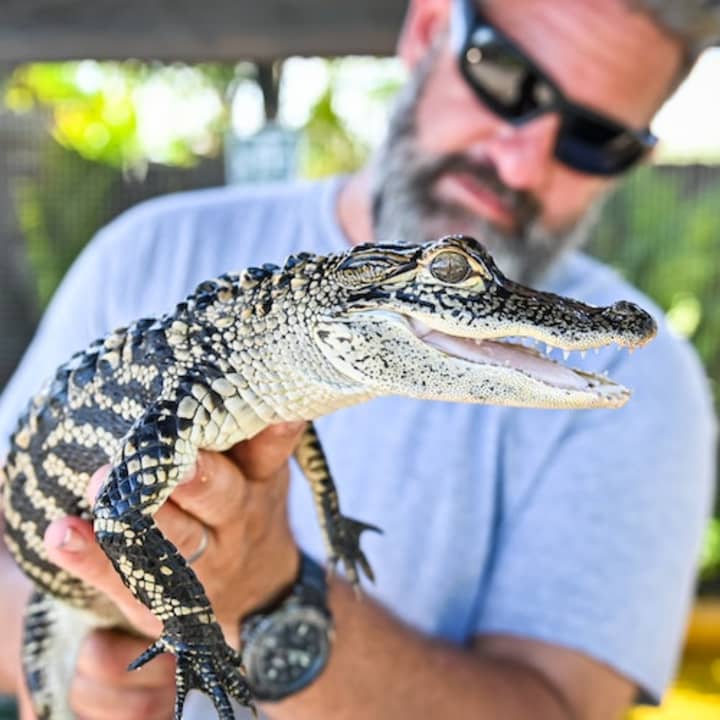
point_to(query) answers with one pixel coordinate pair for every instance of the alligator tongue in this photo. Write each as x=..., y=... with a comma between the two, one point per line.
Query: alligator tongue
x=499, y=353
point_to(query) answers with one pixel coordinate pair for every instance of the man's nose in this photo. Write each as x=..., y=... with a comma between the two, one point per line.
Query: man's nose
x=524, y=154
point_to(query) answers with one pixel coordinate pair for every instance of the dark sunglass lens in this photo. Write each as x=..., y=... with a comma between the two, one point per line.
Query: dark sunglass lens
x=497, y=73
x=597, y=146
x=504, y=79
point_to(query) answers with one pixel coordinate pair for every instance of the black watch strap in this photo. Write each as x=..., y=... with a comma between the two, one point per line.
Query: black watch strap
x=310, y=588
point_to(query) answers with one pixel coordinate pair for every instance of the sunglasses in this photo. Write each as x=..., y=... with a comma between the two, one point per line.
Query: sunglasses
x=512, y=86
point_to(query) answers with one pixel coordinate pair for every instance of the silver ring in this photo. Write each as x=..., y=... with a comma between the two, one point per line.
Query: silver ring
x=201, y=548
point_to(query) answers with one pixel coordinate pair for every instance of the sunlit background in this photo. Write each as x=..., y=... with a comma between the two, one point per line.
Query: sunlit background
x=689, y=124
x=101, y=136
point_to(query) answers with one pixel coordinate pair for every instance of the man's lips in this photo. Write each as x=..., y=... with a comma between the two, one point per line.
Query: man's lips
x=463, y=189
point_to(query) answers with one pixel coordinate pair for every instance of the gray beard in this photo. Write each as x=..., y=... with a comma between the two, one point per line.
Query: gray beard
x=406, y=210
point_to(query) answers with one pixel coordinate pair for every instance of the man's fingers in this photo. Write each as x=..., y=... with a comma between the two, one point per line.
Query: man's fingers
x=106, y=654
x=70, y=544
x=98, y=701
x=264, y=455
x=215, y=491
x=186, y=533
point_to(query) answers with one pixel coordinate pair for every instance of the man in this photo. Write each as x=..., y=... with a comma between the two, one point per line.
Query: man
x=534, y=564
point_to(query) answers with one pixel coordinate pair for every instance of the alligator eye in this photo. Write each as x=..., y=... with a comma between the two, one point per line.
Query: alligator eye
x=450, y=267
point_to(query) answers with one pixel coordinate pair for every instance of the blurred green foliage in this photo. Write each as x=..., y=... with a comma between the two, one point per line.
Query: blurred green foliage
x=338, y=134
x=710, y=560
x=97, y=110
x=93, y=110
x=58, y=221
x=326, y=146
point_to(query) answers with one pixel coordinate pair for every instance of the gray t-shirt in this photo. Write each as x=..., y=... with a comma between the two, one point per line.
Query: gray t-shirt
x=577, y=528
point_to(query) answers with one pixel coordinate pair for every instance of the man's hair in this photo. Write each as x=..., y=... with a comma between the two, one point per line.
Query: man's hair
x=695, y=22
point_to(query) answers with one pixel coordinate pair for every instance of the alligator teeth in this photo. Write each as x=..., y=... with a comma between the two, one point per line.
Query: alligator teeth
x=529, y=345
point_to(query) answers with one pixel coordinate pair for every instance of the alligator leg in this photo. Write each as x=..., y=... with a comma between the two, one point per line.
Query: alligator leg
x=341, y=533
x=156, y=454
x=52, y=634
x=38, y=630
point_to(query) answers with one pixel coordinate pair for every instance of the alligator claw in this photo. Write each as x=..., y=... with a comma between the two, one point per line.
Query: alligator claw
x=345, y=548
x=157, y=648
x=213, y=668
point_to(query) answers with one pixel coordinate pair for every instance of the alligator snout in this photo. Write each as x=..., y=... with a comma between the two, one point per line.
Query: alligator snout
x=633, y=324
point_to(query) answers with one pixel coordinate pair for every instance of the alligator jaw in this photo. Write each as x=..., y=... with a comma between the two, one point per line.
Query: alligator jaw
x=516, y=357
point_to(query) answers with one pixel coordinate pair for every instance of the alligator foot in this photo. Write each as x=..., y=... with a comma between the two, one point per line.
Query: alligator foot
x=213, y=668
x=345, y=548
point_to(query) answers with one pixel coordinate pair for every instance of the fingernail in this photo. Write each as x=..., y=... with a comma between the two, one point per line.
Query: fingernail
x=72, y=541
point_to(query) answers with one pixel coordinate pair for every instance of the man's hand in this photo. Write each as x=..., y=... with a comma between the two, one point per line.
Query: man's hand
x=251, y=557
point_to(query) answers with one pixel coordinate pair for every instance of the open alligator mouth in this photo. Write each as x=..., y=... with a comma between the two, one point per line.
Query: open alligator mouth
x=513, y=354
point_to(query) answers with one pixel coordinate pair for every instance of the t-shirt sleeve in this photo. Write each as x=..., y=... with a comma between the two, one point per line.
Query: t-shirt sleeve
x=599, y=552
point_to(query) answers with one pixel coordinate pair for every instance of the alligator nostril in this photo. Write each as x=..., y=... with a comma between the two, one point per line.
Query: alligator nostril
x=623, y=307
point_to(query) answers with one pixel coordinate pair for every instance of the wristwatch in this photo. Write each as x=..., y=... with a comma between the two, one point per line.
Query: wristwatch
x=284, y=648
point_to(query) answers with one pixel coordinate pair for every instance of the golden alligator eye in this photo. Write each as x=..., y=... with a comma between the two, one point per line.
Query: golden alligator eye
x=450, y=267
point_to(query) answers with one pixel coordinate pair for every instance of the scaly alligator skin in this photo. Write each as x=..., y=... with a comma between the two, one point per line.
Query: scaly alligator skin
x=242, y=352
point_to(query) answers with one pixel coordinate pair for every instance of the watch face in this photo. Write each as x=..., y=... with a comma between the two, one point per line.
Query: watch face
x=288, y=649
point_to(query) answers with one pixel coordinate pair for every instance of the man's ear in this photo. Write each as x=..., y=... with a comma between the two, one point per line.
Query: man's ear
x=423, y=21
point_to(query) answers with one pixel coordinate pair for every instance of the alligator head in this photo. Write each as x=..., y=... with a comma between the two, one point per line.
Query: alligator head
x=440, y=321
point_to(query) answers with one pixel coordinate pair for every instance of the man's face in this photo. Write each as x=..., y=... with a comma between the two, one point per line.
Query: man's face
x=450, y=165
